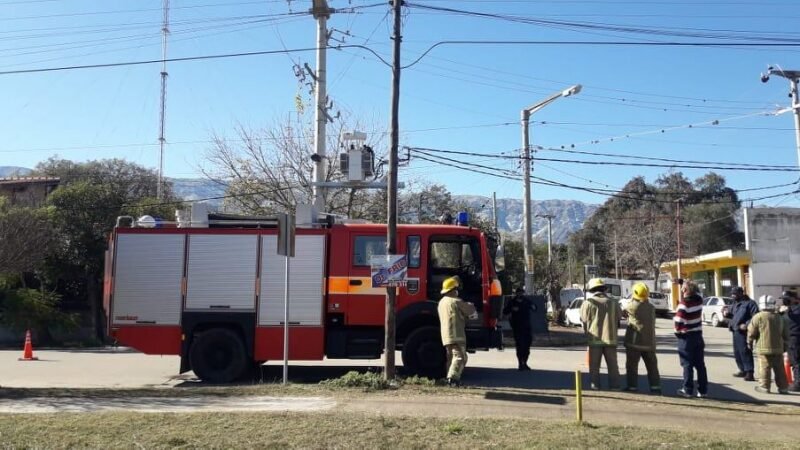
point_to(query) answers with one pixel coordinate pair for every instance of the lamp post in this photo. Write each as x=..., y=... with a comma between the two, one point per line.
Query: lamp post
x=526, y=162
x=793, y=76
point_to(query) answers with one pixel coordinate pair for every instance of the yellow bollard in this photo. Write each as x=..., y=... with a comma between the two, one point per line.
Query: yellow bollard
x=578, y=396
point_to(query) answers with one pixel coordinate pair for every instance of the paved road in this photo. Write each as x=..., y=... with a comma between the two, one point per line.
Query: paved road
x=553, y=369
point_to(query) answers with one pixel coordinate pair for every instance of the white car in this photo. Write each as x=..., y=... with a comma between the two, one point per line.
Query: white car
x=572, y=314
x=657, y=299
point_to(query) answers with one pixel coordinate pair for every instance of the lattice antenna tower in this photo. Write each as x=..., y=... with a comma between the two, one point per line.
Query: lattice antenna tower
x=163, y=115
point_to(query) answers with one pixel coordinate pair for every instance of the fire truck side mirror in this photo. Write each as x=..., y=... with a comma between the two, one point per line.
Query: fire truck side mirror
x=500, y=259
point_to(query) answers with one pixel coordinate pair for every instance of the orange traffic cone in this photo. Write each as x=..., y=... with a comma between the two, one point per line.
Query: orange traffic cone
x=27, y=351
x=787, y=367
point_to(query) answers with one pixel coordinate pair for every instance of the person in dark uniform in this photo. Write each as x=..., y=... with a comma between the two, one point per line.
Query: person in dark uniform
x=742, y=312
x=791, y=308
x=519, y=308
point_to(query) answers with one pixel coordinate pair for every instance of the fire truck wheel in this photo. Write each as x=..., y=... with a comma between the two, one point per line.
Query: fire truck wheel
x=218, y=356
x=423, y=353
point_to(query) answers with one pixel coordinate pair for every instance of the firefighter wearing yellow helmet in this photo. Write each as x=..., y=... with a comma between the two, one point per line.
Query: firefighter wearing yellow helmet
x=600, y=314
x=453, y=315
x=640, y=339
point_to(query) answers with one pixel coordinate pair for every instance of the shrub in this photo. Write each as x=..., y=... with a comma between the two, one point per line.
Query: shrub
x=367, y=380
x=23, y=309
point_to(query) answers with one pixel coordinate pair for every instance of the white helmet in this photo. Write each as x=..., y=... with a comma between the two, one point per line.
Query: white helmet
x=766, y=303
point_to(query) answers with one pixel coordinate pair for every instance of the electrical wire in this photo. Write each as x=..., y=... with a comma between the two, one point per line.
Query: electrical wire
x=184, y=59
x=733, y=166
x=604, y=192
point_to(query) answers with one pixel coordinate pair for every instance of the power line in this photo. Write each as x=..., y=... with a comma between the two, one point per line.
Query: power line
x=650, y=158
x=702, y=33
x=604, y=192
x=183, y=59
x=738, y=166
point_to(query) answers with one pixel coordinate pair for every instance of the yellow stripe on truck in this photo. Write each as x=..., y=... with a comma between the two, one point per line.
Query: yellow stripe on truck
x=342, y=286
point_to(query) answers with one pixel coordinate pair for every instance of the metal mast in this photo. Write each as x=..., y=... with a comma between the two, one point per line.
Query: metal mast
x=161, y=139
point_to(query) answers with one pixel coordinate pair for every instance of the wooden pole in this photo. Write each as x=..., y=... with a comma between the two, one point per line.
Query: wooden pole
x=391, y=233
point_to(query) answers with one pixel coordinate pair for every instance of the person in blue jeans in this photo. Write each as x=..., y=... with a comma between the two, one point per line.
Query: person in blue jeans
x=691, y=346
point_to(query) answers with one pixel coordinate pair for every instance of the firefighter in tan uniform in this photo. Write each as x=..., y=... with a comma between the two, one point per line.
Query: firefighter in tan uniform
x=453, y=315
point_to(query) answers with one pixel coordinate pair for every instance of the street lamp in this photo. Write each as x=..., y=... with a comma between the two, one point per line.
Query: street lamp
x=526, y=161
x=793, y=76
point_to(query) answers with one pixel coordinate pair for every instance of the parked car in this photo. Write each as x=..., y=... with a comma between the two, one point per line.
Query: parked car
x=660, y=302
x=715, y=309
x=572, y=314
x=657, y=299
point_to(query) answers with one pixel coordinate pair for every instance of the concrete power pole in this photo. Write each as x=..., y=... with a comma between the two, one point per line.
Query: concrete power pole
x=549, y=254
x=163, y=116
x=525, y=116
x=527, y=238
x=616, y=258
x=321, y=13
x=391, y=233
x=494, y=210
x=678, y=232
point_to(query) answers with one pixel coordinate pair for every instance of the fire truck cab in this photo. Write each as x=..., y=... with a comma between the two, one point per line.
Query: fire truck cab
x=214, y=294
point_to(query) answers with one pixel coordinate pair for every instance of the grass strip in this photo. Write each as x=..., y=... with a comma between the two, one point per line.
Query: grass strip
x=334, y=430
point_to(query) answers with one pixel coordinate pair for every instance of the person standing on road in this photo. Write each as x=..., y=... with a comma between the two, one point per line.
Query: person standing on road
x=600, y=314
x=791, y=307
x=770, y=333
x=640, y=340
x=519, y=309
x=691, y=346
x=742, y=312
x=453, y=315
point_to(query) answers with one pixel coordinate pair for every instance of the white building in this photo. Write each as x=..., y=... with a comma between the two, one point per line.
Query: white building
x=772, y=236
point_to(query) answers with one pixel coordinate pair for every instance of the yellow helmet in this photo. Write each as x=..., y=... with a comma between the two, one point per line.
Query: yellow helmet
x=640, y=292
x=450, y=284
x=595, y=283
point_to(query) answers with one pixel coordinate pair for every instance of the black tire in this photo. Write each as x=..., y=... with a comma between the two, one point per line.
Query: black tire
x=423, y=353
x=218, y=356
x=715, y=322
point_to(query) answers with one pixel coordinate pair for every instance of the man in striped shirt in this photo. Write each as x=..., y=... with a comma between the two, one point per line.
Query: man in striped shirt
x=691, y=347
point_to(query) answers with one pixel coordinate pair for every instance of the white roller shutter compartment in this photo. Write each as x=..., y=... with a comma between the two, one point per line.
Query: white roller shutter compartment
x=306, y=276
x=147, y=279
x=221, y=273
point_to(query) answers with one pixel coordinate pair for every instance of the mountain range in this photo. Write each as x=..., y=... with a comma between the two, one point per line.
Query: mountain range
x=568, y=215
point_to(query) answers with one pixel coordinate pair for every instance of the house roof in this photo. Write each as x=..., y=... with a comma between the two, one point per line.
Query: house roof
x=29, y=180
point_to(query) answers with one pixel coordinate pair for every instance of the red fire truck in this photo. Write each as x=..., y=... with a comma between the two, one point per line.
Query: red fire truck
x=215, y=295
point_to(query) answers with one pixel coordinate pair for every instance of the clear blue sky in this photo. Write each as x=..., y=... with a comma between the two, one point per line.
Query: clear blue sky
x=630, y=94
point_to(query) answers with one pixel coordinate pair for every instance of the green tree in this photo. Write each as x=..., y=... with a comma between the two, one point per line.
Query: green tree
x=643, y=219
x=26, y=238
x=85, y=207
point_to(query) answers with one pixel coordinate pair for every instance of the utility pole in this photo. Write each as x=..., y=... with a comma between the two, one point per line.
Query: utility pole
x=391, y=233
x=569, y=265
x=793, y=76
x=527, y=238
x=616, y=259
x=321, y=13
x=525, y=116
x=678, y=232
x=494, y=210
x=549, y=255
x=163, y=116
